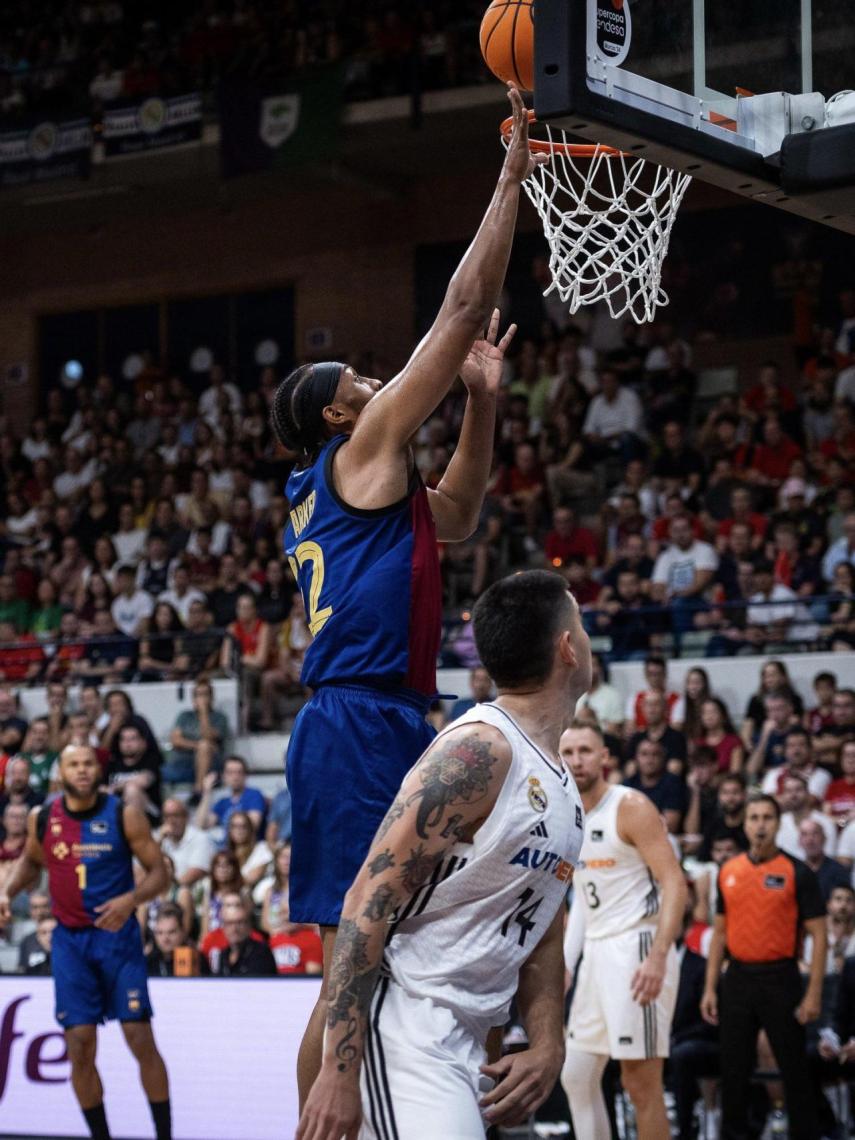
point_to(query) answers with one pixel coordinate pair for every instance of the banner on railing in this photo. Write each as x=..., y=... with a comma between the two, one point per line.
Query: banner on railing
x=45, y=150
x=152, y=124
x=263, y=127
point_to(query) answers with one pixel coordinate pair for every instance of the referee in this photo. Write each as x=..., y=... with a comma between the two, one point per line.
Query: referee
x=765, y=898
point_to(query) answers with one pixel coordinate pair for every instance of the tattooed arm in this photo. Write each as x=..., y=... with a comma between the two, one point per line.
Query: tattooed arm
x=443, y=801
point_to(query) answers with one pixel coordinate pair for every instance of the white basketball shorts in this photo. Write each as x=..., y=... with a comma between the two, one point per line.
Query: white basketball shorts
x=420, y=1074
x=604, y=1018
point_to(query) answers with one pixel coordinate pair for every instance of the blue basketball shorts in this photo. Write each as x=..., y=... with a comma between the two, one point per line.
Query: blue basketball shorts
x=348, y=754
x=99, y=975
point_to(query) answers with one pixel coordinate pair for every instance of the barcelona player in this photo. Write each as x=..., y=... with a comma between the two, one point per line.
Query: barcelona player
x=87, y=841
x=361, y=539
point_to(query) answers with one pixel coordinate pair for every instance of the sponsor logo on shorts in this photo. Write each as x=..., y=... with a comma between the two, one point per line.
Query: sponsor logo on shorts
x=134, y=1001
x=549, y=861
x=775, y=882
x=624, y=1040
x=536, y=795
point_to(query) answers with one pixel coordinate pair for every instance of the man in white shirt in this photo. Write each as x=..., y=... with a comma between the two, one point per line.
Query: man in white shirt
x=843, y=550
x=615, y=412
x=603, y=699
x=182, y=595
x=794, y=799
x=189, y=848
x=798, y=759
x=76, y=477
x=131, y=607
x=681, y=574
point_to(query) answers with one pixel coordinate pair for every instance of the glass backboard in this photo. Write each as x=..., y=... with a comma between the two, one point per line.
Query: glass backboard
x=740, y=93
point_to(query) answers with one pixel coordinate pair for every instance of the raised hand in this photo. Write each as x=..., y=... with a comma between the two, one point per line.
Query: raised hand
x=519, y=161
x=481, y=371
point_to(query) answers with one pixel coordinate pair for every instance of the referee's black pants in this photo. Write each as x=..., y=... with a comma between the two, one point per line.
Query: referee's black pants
x=755, y=997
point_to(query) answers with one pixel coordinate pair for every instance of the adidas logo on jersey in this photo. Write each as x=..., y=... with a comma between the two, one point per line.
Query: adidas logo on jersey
x=540, y=831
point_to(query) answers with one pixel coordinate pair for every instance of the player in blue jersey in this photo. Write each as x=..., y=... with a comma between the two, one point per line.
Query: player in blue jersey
x=361, y=539
x=87, y=841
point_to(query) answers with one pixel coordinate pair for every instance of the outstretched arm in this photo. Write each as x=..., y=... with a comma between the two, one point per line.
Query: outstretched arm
x=443, y=800
x=25, y=873
x=456, y=502
x=393, y=416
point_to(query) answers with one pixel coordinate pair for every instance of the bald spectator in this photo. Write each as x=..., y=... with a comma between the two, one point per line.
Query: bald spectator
x=18, y=786
x=243, y=956
x=828, y=871
x=795, y=810
x=189, y=848
x=658, y=729
x=14, y=819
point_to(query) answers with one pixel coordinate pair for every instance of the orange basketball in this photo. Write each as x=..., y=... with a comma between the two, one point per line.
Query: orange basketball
x=507, y=41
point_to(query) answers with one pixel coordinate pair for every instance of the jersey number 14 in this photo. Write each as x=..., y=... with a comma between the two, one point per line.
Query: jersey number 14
x=523, y=915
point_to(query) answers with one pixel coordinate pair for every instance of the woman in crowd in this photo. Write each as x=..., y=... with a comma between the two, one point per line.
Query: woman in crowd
x=717, y=732
x=45, y=619
x=839, y=798
x=94, y=595
x=774, y=677
x=225, y=878
x=274, y=907
x=686, y=716
x=159, y=646
x=98, y=515
x=253, y=856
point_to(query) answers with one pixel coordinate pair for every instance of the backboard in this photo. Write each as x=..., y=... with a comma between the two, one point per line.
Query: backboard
x=739, y=93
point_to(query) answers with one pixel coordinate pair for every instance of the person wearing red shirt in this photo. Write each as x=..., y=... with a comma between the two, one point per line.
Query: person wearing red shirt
x=769, y=394
x=841, y=445
x=21, y=655
x=820, y=717
x=297, y=949
x=215, y=941
x=656, y=676
x=247, y=648
x=839, y=798
x=741, y=512
x=566, y=540
x=720, y=735
x=769, y=462
x=674, y=506
x=521, y=489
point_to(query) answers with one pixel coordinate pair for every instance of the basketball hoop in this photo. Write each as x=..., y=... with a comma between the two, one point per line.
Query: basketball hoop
x=607, y=217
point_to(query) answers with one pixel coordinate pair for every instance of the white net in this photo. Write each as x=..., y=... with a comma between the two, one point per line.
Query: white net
x=607, y=217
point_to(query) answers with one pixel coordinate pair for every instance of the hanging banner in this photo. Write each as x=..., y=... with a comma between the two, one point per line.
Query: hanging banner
x=44, y=151
x=131, y=128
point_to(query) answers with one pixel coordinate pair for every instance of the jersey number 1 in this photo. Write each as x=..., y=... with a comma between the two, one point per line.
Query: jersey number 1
x=311, y=552
x=81, y=875
x=523, y=914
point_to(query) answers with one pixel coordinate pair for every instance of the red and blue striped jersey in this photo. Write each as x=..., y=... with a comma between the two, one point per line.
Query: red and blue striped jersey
x=87, y=857
x=370, y=581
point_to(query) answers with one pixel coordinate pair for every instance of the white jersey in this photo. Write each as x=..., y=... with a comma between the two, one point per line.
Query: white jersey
x=619, y=891
x=461, y=939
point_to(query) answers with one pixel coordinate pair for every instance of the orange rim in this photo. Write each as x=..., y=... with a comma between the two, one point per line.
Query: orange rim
x=572, y=150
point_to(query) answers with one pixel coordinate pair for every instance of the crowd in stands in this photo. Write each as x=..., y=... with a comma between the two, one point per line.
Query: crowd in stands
x=60, y=54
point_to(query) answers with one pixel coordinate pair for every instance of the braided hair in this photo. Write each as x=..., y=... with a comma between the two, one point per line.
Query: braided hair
x=282, y=418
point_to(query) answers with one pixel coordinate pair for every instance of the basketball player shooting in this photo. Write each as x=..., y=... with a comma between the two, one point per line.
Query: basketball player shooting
x=459, y=904
x=87, y=841
x=362, y=541
x=628, y=905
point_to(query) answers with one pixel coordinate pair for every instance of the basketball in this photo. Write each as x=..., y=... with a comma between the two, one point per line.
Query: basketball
x=507, y=41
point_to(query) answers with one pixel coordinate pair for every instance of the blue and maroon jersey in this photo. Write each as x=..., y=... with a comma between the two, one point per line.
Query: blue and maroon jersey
x=370, y=582
x=87, y=857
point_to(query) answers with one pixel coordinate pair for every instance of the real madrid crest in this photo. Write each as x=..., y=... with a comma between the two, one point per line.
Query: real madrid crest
x=536, y=795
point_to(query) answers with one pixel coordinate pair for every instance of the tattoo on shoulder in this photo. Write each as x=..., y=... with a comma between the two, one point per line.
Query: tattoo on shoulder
x=458, y=772
x=381, y=863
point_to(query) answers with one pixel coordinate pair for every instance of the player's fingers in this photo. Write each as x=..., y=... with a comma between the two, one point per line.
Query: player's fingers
x=498, y=1069
x=513, y=1101
x=493, y=328
x=507, y=338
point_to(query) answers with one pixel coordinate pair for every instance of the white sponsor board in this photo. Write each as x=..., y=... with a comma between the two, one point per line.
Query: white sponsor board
x=230, y=1047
